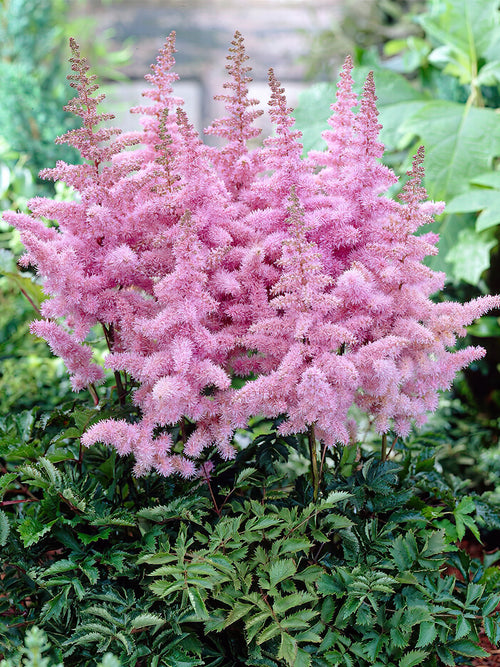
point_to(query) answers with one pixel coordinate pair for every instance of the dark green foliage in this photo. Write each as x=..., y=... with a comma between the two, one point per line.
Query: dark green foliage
x=241, y=569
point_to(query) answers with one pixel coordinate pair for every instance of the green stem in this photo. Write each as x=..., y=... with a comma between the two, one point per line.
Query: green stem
x=313, y=455
x=383, y=452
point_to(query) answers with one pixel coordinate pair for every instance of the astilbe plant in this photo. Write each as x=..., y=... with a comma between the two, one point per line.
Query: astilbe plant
x=202, y=264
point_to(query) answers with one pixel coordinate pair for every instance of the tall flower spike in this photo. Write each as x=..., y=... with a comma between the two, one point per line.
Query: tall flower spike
x=365, y=145
x=237, y=164
x=159, y=116
x=86, y=139
x=283, y=151
x=162, y=76
x=341, y=121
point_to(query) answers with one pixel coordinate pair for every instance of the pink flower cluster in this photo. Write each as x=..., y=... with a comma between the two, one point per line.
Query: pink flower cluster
x=203, y=264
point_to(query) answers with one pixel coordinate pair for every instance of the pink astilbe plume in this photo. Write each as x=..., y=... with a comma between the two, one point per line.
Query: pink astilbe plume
x=199, y=264
x=350, y=177
x=237, y=164
x=310, y=382
x=164, y=102
x=72, y=258
x=284, y=171
x=341, y=122
x=175, y=358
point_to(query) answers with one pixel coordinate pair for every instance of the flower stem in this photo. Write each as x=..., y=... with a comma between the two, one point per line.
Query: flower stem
x=110, y=339
x=313, y=455
x=383, y=451
x=93, y=392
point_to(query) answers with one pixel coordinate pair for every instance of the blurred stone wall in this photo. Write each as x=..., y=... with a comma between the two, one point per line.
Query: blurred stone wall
x=276, y=32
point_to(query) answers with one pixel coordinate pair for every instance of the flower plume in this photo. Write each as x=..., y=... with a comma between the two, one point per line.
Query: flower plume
x=241, y=280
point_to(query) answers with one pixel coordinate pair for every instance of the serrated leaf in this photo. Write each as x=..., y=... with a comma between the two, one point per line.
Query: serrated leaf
x=330, y=585
x=398, y=638
x=492, y=629
x=283, y=604
x=445, y=655
x=197, y=603
x=474, y=592
x=257, y=619
x=299, y=620
x=327, y=609
x=63, y=565
x=89, y=570
x=404, y=551
x=157, y=559
x=309, y=636
x=146, y=620
x=435, y=544
x=337, y=521
x=288, y=649
x=463, y=628
x=166, y=588
x=201, y=570
x=4, y=528
x=348, y=608
x=243, y=476
x=100, y=535
x=491, y=604
x=417, y=614
x=269, y=633
x=427, y=634
x=52, y=472
x=120, y=519
x=468, y=648
x=32, y=530
x=262, y=524
x=413, y=659
x=294, y=545
x=83, y=418
x=238, y=611
x=303, y=659
x=87, y=638
x=280, y=570
x=334, y=498
x=128, y=645
x=364, y=616
x=54, y=606
x=102, y=612
x=5, y=480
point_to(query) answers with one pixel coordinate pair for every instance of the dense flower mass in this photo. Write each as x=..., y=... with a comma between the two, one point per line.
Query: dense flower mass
x=203, y=264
